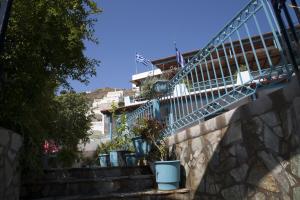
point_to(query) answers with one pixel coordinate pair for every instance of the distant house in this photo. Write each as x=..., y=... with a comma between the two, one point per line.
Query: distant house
x=100, y=126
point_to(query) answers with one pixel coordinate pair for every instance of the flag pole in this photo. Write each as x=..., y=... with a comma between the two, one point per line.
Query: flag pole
x=135, y=64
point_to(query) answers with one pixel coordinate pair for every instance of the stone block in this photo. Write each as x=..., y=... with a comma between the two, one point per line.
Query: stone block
x=4, y=137
x=260, y=177
x=271, y=119
x=194, y=131
x=16, y=141
x=181, y=136
x=11, y=155
x=232, y=116
x=277, y=171
x=287, y=122
x=226, y=165
x=196, y=144
x=233, y=134
x=271, y=140
x=296, y=193
x=211, y=125
x=259, y=196
x=295, y=163
x=240, y=152
x=239, y=174
x=213, y=138
x=258, y=107
x=236, y=192
x=296, y=106
x=278, y=131
x=9, y=172
x=291, y=91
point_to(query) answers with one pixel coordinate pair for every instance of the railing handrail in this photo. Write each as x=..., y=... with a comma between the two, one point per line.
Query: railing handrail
x=195, y=59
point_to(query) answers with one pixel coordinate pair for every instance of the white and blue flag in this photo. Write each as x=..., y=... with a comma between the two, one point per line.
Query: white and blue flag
x=141, y=59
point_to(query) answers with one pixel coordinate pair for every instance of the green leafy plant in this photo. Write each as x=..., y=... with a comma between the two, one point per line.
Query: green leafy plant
x=54, y=32
x=150, y=130
x=117, y=143
x=147, y=91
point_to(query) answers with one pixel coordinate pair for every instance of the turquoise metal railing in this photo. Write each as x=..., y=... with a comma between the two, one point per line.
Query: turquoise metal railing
x=229, y=68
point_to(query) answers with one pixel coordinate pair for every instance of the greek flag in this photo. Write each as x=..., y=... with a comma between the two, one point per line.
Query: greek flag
x=179, y=58
x=141, y=59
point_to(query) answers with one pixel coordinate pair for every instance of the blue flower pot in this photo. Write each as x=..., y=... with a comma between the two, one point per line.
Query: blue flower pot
x=141, y=146
x=167, y=174
x=104, y=160
x=117, y=158
x=130, y=159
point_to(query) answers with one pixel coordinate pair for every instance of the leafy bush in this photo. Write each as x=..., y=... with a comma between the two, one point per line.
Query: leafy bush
x=150, y=130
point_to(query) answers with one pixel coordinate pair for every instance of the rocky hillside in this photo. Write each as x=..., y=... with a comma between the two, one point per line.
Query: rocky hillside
x=101, y=92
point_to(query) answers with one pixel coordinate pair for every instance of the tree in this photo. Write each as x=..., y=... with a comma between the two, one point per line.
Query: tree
x=71, y=125
x=44, y=48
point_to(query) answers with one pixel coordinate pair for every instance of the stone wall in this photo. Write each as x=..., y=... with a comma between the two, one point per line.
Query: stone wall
x=10, y=144
x=252, y=152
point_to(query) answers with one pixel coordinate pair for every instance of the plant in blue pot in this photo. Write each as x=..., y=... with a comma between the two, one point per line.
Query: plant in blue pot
x=102, y=152
x=121, y=145
x=167, y=172
x=141, y=143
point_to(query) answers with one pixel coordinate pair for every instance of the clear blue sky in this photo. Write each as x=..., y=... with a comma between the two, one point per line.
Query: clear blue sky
x=150, y=27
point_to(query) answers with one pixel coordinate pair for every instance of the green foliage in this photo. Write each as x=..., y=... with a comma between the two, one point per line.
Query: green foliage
x=150, y=130
x=113, y=109
x=122, y=126
x=118, y=143
x=66, y=157
x=147, y=88
x=71, y=125
x=44, y=48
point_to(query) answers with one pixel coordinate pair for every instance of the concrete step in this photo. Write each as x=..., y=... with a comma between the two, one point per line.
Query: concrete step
x=54, y=174
x=86, y=186
x=180, y=194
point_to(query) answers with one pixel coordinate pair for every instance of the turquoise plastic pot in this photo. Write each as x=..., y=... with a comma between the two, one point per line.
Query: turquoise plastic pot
x=104, y=160
x=167, y=174
x=130, y=159
x=117, y=158
x=141, y=146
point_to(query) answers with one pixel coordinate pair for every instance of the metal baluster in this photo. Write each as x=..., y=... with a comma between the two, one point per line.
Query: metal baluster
x=208, y=76
x=243, y=50
x=215, y=74
x=236, y=61
x=263, y=41
x=228, y=66
x=199, y=87
x=189, y=93
x=203, y=81
x=194, y=91
x=253, y=49
x=221, y=69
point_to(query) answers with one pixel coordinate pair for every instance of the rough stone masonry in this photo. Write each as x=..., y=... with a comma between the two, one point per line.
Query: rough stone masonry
x=10, y=144
x=251, y=152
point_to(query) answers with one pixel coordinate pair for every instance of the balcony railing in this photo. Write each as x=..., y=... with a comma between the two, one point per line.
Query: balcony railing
x=230, y=68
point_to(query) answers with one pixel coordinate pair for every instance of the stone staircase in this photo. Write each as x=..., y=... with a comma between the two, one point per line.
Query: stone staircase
x=97, y=183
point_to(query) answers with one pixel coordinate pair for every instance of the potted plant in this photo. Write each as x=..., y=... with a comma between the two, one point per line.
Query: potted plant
x=140, y=143
x=122, y=146
x=167, y=172
x=102, y=152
